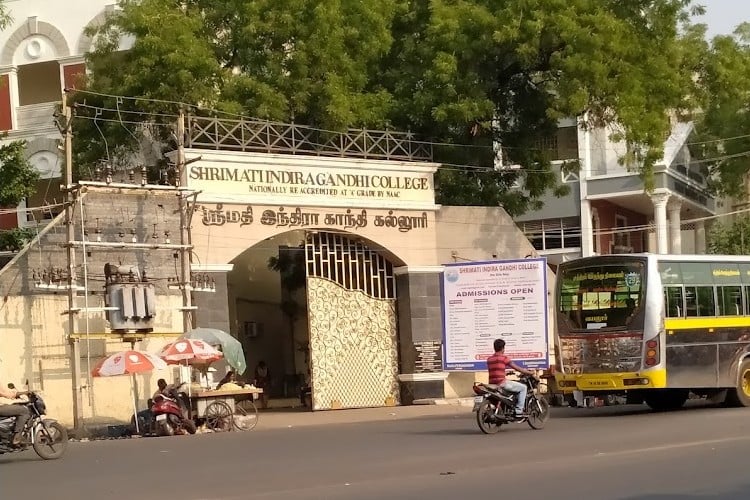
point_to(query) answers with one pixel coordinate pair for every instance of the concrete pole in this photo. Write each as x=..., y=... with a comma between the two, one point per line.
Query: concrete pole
x=675, y=231
x=75, y=347
x=187, y=316
x=660, y=219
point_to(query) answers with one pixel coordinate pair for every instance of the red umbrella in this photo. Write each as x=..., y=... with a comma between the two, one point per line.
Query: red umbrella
x=128, y=363
x=189, y=351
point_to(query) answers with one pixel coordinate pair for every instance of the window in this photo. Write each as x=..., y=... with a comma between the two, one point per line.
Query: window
x=601, y=296
x=621, y=237
x=39, y=83
x=729, y=300
x=699, y=301
x=673, y=300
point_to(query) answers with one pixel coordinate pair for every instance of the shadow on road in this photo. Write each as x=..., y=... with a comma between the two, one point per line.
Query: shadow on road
x=627, y=410
x=24, y=456
x=743, y=492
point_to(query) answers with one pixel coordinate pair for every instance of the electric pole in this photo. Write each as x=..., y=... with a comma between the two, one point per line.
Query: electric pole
x=186, y=287
x=75, y=347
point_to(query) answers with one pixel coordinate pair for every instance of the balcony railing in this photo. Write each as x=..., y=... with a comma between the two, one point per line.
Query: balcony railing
x=273, y=137
x=35, y=116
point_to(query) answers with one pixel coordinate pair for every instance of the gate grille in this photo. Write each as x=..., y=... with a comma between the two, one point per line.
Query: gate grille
x=350, y=264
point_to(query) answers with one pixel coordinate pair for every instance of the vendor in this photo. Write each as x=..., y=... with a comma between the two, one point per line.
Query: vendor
x=228, y=378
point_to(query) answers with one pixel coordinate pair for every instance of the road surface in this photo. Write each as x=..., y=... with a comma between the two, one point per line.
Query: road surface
x=616, y=453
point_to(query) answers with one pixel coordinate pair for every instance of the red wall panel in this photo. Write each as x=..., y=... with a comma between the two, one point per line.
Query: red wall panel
x=6, y=120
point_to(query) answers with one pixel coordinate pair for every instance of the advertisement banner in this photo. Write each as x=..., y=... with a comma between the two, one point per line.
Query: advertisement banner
x=484, y=301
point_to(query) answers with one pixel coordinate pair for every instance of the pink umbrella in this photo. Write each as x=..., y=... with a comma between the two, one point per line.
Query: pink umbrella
x=128, y=363
x=189, y=351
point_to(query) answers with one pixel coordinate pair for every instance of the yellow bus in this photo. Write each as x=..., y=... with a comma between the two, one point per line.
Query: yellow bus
x=655, y=327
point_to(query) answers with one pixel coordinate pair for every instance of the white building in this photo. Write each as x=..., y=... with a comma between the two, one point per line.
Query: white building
x=41, y=53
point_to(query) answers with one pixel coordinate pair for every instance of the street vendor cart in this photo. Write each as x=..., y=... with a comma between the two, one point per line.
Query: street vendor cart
x=226, y=410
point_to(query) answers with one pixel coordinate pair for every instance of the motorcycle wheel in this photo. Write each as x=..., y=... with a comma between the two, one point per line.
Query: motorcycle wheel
x=485, y=418
x=164, y=429
x=188, y=425
x=538, y=412
x=50, y=441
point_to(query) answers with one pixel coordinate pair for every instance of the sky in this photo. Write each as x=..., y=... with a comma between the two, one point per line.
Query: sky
x=722, y=16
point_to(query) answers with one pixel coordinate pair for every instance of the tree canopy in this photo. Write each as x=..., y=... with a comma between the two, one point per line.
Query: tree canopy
x=459, y=72
x=730, y=238
x=723, y=122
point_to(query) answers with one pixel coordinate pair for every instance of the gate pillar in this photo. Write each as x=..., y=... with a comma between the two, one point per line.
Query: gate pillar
x=420, y=326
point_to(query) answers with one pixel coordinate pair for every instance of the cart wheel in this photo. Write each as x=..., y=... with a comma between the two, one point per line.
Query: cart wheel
x=219, y=416
x=245, y=415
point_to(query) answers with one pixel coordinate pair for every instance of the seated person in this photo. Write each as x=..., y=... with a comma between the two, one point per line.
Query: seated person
x=164, y=389
x=230, y=381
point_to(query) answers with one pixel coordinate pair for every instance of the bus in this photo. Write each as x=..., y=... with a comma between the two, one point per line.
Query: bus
x=654, y=328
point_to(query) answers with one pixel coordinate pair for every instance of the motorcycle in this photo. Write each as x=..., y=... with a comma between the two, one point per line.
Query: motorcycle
x=495, y=406
x=170, y=415
x=48, y=438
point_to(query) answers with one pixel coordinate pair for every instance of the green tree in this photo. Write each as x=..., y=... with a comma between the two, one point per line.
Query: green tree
x=463, y=72
x=724, y=125
x=731, y=238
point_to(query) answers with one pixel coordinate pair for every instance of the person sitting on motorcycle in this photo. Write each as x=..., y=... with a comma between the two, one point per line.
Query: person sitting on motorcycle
x=496, y=366
x=164, y=389
x=8, y=408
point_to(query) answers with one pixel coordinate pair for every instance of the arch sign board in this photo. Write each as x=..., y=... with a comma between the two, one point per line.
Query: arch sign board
x=484, y=301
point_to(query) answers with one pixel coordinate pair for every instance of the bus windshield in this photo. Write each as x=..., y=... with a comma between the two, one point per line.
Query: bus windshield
x=601, y=296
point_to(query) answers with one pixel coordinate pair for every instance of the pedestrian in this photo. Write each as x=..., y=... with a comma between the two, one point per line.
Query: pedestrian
x=262, y=381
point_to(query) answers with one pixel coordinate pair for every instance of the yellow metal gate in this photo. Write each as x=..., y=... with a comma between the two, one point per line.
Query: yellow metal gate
x=351, y=295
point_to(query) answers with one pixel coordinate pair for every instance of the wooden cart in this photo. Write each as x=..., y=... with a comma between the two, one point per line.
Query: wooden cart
x=226, y=410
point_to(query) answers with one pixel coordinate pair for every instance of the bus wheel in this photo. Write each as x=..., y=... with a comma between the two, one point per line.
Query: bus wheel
x=666, y=400
x=740, y=395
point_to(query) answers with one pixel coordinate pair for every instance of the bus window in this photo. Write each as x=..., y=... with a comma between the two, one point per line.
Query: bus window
x=601, y=296
x=673, y=301
x=729, y=300
x=699, y=301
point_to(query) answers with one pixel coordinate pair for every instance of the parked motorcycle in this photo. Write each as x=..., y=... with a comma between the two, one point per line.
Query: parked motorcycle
x=495, y=406
x=48, y=438
x=170, y=414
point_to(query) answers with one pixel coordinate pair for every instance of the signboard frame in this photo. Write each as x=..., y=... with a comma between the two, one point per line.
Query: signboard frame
x=451, y=365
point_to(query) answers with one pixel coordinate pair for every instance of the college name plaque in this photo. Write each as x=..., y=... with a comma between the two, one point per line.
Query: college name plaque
x=429, y=357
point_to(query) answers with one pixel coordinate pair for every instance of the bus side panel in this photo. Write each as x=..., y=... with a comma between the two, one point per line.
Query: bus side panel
x=705, y=357
x=692, y=360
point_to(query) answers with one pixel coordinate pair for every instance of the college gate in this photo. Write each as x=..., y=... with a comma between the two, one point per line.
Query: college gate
x=351, y=295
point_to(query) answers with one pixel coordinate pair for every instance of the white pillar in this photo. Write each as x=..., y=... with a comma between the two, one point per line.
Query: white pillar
x=584, y=153
x=660, y=220
x=675, y=231
x=700, y=237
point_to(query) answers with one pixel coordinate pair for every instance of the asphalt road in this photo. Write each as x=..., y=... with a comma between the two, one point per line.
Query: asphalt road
x=622, y=453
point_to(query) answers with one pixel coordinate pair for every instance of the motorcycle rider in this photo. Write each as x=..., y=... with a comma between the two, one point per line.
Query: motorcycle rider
x=496, y=366
x=8, y=397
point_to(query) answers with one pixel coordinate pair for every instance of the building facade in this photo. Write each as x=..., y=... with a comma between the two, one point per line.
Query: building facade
x=323, y=261
x=608, y=210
